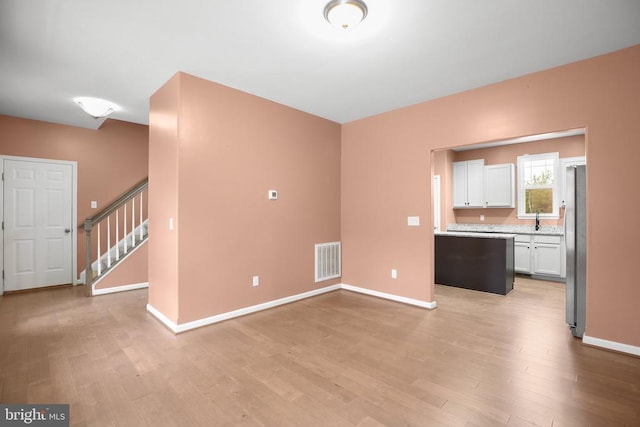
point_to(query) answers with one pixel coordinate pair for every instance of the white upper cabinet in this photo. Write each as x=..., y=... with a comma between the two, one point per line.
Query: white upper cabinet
x=460, y=184
x=468, y=184
x=499, y=186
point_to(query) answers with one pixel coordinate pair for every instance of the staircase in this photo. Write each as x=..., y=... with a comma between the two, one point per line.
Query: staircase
x=114, y=233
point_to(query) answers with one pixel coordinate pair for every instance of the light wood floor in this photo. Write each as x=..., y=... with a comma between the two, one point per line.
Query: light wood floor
x=339, y=359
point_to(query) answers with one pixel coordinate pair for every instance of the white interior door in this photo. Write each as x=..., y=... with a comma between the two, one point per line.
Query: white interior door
x=436, y=203
x=38, y=224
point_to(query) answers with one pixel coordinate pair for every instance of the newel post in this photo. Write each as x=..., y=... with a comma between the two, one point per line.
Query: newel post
x=88, y=272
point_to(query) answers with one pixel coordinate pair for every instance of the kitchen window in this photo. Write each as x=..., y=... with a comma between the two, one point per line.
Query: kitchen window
x=538, y=185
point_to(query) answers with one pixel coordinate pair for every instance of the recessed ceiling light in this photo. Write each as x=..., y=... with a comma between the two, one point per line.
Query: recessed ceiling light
x=96, y=107
x=345, y=14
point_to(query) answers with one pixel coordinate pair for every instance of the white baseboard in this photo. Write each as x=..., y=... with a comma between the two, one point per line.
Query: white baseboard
x=162, y=318
x=397, y=298
x=183, y=327
x=122, y=288
x=611, y=345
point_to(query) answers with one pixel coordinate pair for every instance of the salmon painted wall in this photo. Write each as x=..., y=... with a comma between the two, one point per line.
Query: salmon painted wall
x=571, y=146
x=385, y=177
x=163, y=198
x=133, y=270
x=232, y=148
x=110, y=160
x=381, y=187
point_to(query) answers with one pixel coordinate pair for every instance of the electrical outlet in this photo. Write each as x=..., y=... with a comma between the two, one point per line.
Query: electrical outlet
x=394, y=273
x=481, y=217
x=256, y=281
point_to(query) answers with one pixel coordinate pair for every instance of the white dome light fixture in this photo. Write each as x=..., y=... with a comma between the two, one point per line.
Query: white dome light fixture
x=345, y=14
x=96, y=107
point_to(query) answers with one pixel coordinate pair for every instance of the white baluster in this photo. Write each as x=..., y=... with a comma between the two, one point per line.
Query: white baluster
x=117, y=235
x=99, y=263
x=133, y=222
x=124, y=229
x=109, y=241
x=141, y=233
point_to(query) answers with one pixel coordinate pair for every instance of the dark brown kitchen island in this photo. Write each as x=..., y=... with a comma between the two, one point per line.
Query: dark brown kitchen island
x=478, y=261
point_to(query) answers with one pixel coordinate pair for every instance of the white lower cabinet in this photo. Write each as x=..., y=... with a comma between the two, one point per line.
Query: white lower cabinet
x=522, y=253
x=540, y=255
x=547, y=255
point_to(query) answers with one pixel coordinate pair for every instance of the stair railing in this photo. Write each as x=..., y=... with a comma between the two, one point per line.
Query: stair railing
x=128, y=216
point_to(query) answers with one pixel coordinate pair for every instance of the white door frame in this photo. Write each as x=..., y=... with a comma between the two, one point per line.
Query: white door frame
x=436, y=203
x=74, y=212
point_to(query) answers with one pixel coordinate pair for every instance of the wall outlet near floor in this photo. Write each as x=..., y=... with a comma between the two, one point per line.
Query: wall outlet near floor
x=394, y=273
x=481, y=217
x=256, y=281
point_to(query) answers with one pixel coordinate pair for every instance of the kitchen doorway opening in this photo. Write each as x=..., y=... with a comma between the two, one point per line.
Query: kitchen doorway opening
x=571, y=146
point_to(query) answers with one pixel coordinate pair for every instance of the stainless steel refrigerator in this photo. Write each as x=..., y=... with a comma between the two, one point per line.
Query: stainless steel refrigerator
x=575, y=232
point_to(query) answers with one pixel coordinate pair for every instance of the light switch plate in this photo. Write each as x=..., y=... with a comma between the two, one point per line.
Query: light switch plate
x=94, y=204
x=413, y=221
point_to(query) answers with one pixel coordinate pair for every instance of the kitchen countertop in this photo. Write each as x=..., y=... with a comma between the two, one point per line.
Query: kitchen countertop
x=475, y=234
x=547, y=230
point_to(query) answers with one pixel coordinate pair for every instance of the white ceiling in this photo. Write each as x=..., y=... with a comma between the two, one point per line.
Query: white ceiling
x=405, y=52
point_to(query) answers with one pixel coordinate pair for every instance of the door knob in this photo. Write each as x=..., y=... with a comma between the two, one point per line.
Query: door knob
x=67, y=230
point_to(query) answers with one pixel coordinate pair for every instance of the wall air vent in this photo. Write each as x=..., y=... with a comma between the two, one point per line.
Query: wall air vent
x=328, y=261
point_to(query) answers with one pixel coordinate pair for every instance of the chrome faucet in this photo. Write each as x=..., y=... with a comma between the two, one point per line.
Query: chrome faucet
x=537, y=220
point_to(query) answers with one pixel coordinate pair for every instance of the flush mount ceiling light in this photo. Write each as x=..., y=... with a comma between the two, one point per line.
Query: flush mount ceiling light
x=345, y=14
x=96, y=107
